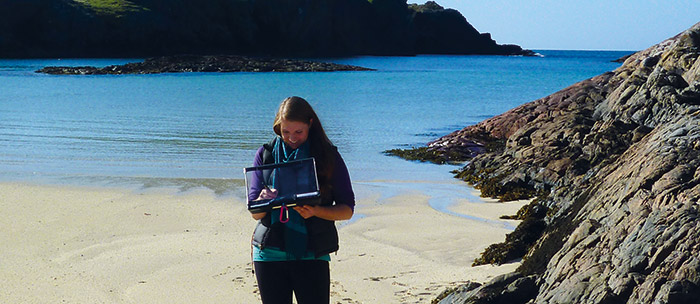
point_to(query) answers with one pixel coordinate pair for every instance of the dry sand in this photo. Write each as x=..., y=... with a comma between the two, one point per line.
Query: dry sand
x=68, y=244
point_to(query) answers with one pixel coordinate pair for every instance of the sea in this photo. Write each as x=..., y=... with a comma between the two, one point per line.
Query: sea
x=199, y=130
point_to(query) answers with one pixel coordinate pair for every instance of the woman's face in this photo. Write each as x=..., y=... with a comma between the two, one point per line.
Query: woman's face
x=294, y=133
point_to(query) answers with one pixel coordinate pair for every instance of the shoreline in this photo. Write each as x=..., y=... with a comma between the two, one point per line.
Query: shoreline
x=120, y=245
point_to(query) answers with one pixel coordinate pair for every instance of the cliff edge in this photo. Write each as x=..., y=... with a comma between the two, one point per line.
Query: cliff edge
x=615, y=162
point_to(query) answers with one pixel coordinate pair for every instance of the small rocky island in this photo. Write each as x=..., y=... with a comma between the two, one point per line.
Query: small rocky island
x=614, y=164
x=193, y=63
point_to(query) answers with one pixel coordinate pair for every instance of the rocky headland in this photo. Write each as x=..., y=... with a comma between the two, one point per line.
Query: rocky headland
x=295, y=28
x=193, y=63
x=614, y=163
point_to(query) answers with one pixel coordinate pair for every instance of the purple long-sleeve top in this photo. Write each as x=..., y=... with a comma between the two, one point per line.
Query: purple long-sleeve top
x=342, y=187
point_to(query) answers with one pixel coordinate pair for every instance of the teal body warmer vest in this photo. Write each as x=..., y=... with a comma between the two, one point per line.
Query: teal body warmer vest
x=323, y=235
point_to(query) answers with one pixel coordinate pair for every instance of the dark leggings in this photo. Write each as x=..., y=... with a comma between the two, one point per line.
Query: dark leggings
x=309, y=280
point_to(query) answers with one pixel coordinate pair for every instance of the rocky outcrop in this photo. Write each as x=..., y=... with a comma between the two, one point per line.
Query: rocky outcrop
x=294, y=28
x=446, y=31
x=509, y=288
x=616, y=161
x=191, y=63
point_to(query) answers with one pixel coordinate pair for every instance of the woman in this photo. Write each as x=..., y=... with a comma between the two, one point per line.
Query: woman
x=292, y=255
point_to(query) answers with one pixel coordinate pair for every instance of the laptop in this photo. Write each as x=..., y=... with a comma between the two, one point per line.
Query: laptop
x=296, y=183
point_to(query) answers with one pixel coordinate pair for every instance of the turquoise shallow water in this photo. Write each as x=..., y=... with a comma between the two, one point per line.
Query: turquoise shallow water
x=200, y=129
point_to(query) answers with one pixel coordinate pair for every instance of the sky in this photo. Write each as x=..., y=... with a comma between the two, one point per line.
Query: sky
x=625, y=25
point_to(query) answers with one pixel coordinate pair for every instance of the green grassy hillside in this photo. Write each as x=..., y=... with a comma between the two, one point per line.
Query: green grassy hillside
x=111, y=7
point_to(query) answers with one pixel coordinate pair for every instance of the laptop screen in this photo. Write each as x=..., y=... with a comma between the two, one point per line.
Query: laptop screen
x=295, y=181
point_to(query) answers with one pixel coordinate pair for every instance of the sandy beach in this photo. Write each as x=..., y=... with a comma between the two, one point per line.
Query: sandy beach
x=70, y=244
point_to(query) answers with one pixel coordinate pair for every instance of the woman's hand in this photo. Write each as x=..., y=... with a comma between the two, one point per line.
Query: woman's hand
x=257, y=216
x=306, y=211
x=267, y=193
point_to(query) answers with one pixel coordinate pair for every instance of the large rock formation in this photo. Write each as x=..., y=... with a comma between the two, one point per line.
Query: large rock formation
x=293, y=28
x=616, y=160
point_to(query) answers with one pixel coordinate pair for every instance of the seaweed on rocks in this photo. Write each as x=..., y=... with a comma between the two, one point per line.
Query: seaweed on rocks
x=516, y=245
x=533, y=209
x=425, y=154
x=457, y=150
x=518, y=242
x=555, y=235
x=497, y=186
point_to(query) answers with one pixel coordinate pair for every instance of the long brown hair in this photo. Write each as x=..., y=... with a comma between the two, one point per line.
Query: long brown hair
x=298, y=109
